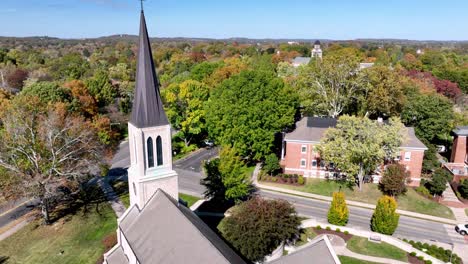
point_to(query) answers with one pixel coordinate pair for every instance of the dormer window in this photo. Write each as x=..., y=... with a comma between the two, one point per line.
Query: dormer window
x=159, y=152
x=149, y=149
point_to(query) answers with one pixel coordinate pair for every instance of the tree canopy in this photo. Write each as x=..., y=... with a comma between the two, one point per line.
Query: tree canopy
x=258, y=226
x=358, y=145
x=247, y=110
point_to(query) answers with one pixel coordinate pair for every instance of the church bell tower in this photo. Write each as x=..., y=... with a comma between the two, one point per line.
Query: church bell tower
x=149, y=132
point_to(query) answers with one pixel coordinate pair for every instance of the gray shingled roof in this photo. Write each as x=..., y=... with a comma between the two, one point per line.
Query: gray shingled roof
x=461, y=131
x=312, y=129
x=117, y=256
x=413, y=141
x=166, y=232
x=317, y=251
x=147, y=108
x=301, y=60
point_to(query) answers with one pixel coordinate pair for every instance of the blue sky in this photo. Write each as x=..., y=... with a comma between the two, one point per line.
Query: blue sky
x=333, y=19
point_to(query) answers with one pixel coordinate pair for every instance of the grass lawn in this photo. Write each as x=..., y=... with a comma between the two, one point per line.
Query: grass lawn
x=307, y=233
x=125, y=198
x=350, y=260
x=362, y=246
x=75, y=238
x=188, y=198
x=370, y=193
x=248, y=171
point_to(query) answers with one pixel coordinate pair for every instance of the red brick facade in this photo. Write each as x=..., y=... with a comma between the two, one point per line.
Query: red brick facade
x=303, y=158
x=459, y=150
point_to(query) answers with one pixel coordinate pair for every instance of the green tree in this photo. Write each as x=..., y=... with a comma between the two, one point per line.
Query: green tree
x=226, y=179
x=247, y=110
x=438, y=182
x=394, y=180
x=338, y=213
x=382, y=93
x=329, y=87
x=70, y=66
x=101, y=89
x=463, y=188
x=358, y=145
x=185, y=108
x=46, y=92
x=271, y=164
x=385, y=219
x=258, y=226
x=430, y=114
x=203, y=70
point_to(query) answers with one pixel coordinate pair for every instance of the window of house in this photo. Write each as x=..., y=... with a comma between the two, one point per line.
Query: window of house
x=159, y=152
x=303, y=162
x=314, y=163
x=322, y=164
x=149, y=149
x=407, y=156
x=303, y=149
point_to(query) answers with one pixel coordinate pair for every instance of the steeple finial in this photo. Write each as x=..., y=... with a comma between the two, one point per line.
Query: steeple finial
x=141, y=1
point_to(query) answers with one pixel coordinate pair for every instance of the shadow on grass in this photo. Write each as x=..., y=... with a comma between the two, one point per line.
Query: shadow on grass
x=88, y=198
x=3, y=259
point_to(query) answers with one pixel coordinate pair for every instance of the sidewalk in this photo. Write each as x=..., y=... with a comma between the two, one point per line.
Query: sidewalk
x=112, y=197
x=352, y=203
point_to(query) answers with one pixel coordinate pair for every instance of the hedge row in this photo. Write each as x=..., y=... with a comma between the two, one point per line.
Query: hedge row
x=435, y=251
x=284, y=178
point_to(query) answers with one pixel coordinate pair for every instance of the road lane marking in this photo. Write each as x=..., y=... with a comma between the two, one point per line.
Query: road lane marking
x=16, y=207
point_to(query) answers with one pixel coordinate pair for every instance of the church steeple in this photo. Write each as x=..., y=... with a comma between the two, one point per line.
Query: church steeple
x=147, y=108
x=149, y=132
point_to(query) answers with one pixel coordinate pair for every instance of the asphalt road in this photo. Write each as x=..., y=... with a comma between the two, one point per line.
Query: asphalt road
x=21, y=208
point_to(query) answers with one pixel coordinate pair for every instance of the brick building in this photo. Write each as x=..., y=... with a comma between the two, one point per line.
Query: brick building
x=458, y=164
x=299, y=154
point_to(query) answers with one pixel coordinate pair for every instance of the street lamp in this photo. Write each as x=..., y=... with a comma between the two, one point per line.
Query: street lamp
x=451, y=252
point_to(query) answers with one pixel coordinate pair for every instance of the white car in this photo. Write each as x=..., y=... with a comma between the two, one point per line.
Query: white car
x=462, y=229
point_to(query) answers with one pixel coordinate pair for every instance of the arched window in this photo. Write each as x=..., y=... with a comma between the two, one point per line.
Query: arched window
x=149, y=148
x=159, y=152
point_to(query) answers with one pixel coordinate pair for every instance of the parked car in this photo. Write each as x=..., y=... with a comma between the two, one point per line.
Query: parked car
x=462, y=229
x=209, y=143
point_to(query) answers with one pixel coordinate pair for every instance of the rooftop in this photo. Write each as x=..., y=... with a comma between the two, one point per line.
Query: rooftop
x=165, y=231
x=312, y=129
x=461, y=131
x=318, y=251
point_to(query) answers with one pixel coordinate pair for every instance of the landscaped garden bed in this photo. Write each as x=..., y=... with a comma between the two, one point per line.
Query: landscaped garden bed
x=292, y=179
x=344, y=235
x=436, y=252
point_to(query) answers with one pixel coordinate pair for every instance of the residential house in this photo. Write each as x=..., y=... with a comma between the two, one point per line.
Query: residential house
x=300, y=155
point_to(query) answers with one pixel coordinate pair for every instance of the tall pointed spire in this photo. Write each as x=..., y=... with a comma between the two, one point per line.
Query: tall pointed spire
x=147, y=108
